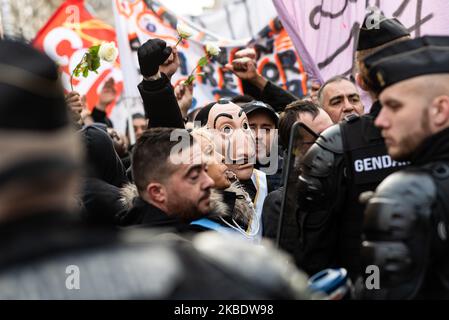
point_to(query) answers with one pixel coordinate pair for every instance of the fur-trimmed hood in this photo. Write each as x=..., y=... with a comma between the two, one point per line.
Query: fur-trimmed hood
x=232, y=203
x=128, y=194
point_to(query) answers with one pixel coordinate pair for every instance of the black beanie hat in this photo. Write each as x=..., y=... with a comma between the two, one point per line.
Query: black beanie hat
x=36, y=134
x=31, y=97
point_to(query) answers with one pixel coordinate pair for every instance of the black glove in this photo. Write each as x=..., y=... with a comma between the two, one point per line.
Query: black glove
x=151, y=55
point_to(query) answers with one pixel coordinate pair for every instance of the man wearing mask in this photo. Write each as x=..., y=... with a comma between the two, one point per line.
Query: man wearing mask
x=163, y=111
x=235, y=141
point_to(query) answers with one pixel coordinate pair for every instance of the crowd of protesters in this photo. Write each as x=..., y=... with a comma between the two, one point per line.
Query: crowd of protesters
x=194, y=208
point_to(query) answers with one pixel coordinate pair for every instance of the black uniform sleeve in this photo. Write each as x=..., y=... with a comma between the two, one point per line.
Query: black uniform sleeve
x=161, y=106
x=273, y=95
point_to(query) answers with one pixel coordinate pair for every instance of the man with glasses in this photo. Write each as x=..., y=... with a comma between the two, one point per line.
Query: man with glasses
x=317, y=120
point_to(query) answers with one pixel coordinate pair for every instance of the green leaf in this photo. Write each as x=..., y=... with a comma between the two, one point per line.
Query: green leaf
x=203, y=61
x=85, y=72
x=189, y=80
x=94, y=50
x=96, y=63
x=93, y=62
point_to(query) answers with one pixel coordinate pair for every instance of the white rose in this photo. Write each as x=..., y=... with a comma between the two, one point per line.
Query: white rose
x=108, y=52
x=212, y=49
x=184, y=31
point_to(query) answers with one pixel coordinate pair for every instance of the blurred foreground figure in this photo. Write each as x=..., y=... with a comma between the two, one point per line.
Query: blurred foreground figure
x=406, y=221
x=46, y=253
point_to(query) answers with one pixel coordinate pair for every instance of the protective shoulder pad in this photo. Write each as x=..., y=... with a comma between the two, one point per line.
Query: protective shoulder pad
x=321, y=157
x=318, y=162
x=331, y=139
x=413, y=188
x=397, y=230
x=400, y=200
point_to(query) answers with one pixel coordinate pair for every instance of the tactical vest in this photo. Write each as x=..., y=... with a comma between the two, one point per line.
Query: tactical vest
x=367, y=164
x=437, y=282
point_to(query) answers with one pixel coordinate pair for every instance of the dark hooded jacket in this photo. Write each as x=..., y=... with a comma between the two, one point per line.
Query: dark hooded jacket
x=99, y=116
x=145, y=214
x=102, y=160
x=105, y=176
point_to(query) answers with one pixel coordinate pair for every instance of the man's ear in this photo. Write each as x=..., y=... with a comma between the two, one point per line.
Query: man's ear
x=360, y=82
x=439, y=111
x=156, y=193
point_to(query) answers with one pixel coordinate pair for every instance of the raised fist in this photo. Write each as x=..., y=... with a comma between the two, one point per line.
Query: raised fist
x=171, y=65
x=152, y=54
x=246, y=53
x=244, y=68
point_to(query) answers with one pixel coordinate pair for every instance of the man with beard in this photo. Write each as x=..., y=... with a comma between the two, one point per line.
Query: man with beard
x=317, y=120
x=406, y=221
x=263, y=121
x=339, y=167
x=173, y=185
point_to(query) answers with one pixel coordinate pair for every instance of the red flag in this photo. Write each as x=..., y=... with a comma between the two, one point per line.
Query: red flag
x=67, y=36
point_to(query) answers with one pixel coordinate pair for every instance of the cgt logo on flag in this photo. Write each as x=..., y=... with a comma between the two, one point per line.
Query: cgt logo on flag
x=69, y=33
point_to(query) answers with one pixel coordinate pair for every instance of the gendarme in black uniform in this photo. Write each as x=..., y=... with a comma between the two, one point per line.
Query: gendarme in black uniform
x=407, y=219
x=346, y=160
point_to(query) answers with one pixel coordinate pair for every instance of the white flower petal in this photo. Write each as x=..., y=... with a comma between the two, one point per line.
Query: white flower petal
x=184, y=30
x=108, y=52
x=212, y=49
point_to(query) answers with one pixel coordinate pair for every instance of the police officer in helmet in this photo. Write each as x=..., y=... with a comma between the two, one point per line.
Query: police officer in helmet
x=406, y=221
x=347, y=160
